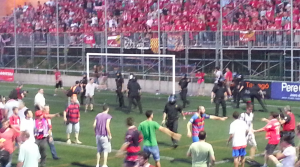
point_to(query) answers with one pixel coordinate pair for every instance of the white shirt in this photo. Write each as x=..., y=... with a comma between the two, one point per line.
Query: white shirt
x=29, y=154
x=10, y=104
x=290, y=159
x=28, y=125
x=218, y=75
x=238, y=129
x=21, y=113
x=94, y=20
x=248, y=118
x=39, y=99
x=111, y=22
x=90, y=89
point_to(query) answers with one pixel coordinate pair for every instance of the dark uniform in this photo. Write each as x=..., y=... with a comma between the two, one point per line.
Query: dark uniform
x=254, y=93
x=240, y=94
x=119, y=85
x=183, y=83
x=219, y=91
x=172, y=111
x=134, y=94
x=288, y=128
x=133, y=102
x=84, y=81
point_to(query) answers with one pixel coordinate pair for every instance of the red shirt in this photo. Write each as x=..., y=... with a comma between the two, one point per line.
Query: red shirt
x=273, y=131
x=10, y=136
x=73, y=113
x=200, y=77
x=228, y=76
x=57, y=76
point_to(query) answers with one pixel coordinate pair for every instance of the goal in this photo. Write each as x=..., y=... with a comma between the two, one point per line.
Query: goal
x=111, y=60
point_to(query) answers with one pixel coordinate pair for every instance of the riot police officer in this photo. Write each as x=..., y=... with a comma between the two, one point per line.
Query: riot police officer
x=131, y=78
x=219, y=96
x=84, y=81
x=183, y=84
x=120, y=84
x=256, y=92
x=134, y=93
x=240, y=90
x=171, y=116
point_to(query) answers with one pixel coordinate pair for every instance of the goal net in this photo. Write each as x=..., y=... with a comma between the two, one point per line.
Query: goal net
x=155, y=73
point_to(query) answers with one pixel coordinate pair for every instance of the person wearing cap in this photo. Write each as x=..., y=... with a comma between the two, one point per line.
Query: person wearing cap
x=41, y=134
x=84, y=81
x=171, y=114
x=183, y=84
x=219, y=96
x=288, y=123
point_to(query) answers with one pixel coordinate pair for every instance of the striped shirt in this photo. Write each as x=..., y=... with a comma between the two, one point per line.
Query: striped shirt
x=133, y=137
x=73, y=113
x=198, y=123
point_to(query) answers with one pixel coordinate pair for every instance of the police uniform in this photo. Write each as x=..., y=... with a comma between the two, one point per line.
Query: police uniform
x=219, y=91
x=288, y=128
x=119, y=84
x=240, y=93
x=133, y=94
x=133, y=102
x=183, y=83
x=254, y=93
x=172, y=111
x=84, y=82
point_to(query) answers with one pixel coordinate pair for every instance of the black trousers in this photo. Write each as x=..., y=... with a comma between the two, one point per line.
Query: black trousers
x=240, y=95
x=137, y=98
x=82, y=97
x=172, y=125
x=183, y=94
x=290, y=134
x=120, y=96
x=258, y=98
x=42, y=144
x=223, y=104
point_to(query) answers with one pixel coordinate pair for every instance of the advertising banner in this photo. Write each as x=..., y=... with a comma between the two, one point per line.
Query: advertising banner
x=264, y=86
x=285, y=91
x=246, y=36
x=7, y=75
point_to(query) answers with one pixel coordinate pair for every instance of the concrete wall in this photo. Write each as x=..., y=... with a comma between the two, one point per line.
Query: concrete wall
x=147, y=85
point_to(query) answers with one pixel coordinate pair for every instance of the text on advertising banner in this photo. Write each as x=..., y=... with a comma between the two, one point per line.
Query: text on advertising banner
x=7, y=75
x=264, y=86
x=285, y=91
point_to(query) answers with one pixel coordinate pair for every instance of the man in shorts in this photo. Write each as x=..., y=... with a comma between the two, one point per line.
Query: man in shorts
x=238, y=131
x=89, y=94
x=58, y=81
x=103, y=135
x=248, y=118
x=272, y=134
x=72, y=118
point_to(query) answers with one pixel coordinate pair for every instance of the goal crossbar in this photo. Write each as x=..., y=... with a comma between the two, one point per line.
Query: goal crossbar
x=133, y=55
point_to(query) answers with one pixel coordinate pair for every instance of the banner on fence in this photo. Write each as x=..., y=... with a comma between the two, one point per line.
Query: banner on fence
x=285, y=91
x=264, y=86
x=246, y=36
x=7, y=75
x=175, y=42
x=114, y=41
x=89, y=38
x=154, y=45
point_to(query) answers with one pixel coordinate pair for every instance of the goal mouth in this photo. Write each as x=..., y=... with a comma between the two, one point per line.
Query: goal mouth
x=88, y=55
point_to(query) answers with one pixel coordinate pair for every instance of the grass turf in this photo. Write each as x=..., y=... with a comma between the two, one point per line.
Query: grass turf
x=73, y=155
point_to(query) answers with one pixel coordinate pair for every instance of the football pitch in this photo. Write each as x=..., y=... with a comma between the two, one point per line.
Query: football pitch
x=84, y=155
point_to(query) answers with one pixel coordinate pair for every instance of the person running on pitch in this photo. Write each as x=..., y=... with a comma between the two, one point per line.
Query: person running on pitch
x=171, y=114
x=197, y=122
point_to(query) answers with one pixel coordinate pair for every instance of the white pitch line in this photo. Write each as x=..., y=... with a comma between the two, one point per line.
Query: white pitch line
x=161, y=157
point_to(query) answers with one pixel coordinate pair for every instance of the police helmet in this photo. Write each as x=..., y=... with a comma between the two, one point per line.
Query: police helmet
x=172, y=99
x=184, y=75
x=118, y=74
x=241, y=77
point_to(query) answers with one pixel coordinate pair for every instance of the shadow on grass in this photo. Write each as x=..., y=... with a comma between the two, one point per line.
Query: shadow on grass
x=181, y=160
x=60, y=139
x=81, y=165
x=165, y=144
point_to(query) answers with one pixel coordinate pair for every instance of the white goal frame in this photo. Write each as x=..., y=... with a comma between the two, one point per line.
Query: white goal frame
x=133, y=55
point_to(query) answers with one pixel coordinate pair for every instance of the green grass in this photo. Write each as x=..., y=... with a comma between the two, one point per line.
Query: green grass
x=217, y=131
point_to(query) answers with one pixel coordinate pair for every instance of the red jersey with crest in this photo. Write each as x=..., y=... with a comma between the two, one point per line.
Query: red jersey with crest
x=273, y=131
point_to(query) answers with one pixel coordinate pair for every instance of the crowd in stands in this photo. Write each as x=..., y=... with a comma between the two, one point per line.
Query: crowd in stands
x=128, y=16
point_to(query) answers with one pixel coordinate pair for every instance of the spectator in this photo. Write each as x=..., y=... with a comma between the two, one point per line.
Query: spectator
x=72, y=118
x=27, y=124
x=201, y=152
x=143, y=159
x=22, y=109
x=201, y=81
x=10, y=104
x=39, y=100
x=288, y=156
x=228, y=78
x=29, y=155
x=7, y=141
x=103, y=135
x=2, y=109
x=89, y=94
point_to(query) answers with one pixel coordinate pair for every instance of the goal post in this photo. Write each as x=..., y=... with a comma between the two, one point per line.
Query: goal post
x=133, y=55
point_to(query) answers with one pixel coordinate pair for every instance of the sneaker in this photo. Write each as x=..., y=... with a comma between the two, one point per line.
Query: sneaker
x=104, y=166
x=78, y=142
x=69, y=141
